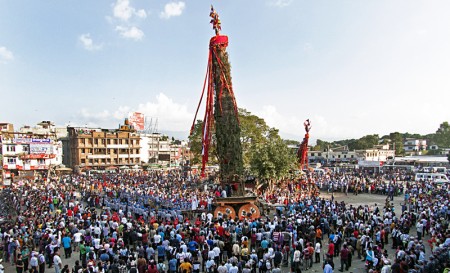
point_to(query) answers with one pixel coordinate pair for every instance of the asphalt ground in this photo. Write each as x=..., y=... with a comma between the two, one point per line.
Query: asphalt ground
x=357, y=266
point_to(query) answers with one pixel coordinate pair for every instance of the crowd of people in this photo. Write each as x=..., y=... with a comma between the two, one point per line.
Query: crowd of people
x=389, y=183
x=143, y=223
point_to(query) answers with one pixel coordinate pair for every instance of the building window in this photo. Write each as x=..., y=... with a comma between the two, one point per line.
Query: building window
x=104, y=141
x=41, y=161
x=25, y=148
x=10, y=148
x=11, y=160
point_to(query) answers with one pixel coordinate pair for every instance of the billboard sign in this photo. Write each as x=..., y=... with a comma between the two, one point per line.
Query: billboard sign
x=41, y=149
x=32, y=140
x=136, y=120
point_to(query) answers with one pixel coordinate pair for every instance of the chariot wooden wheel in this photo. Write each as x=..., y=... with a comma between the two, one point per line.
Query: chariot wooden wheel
x=249, y=211
x=225, y=211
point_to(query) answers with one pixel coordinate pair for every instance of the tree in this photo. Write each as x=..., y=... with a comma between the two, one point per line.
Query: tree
x=396, y=140
x=271, y=159
x=322, y=145
x=262, y=147
x=228, y=130
x=195, y=144
x=253, y=131
x=442, y=135
x=291, y=142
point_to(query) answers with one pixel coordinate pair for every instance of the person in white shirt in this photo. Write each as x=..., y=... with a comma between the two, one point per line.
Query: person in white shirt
x=157, y=238
x=317, y=251
x=233, y=269
x=77, y=240
x=216, y=250
x=222, y=268
x=57, y=262
x=327, y=268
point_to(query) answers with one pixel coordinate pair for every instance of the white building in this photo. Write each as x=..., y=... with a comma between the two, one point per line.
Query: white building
x=337, y=155
x=160, y=149
x=45, y=128
x=22, y=152
x=414, y=145
x=375, y=157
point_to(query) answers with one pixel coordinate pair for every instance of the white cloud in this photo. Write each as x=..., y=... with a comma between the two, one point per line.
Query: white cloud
x=124, y=11
x=292, y=126
x=280, y=3
x=88, y=43
x=86, y=118
x=5, y=55
x=275, y=119
x=130, y=32
x=171, y=115
x=173, y=9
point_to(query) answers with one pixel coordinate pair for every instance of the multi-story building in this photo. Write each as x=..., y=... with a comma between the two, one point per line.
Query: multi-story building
x=4, y=129
x=414, y=145
x=375, y=157
x=102, y=148
x=332, y=156
x=160, y=149
x=29, y=152
x=45, y=128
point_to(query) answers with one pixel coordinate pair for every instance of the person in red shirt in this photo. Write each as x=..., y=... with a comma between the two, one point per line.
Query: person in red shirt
x=355, y=233
x=70, y=213
x=344, y=258
x=331, y=249
x=311, y=254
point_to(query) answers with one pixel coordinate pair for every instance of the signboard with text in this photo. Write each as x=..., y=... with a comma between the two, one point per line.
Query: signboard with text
x=32, y=141
x=41, y=148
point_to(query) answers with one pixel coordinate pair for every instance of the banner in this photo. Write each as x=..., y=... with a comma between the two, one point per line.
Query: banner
x=137, y=120
x=41, y=149
x=32, y=140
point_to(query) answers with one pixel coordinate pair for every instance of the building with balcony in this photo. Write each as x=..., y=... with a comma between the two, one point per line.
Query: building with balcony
x=332, y=156
x=414, y=145
x=160, y=149
x=28, y=153
x=376, y=156
x=95, y=148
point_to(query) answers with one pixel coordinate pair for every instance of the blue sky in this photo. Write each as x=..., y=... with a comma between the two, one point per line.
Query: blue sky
x=352, y=67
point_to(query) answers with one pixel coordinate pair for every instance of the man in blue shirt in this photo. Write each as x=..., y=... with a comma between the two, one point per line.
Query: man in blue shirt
x=173, y=265
x=67, y=244
x=161, y=253
x=193, y=246
x=264, y=243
